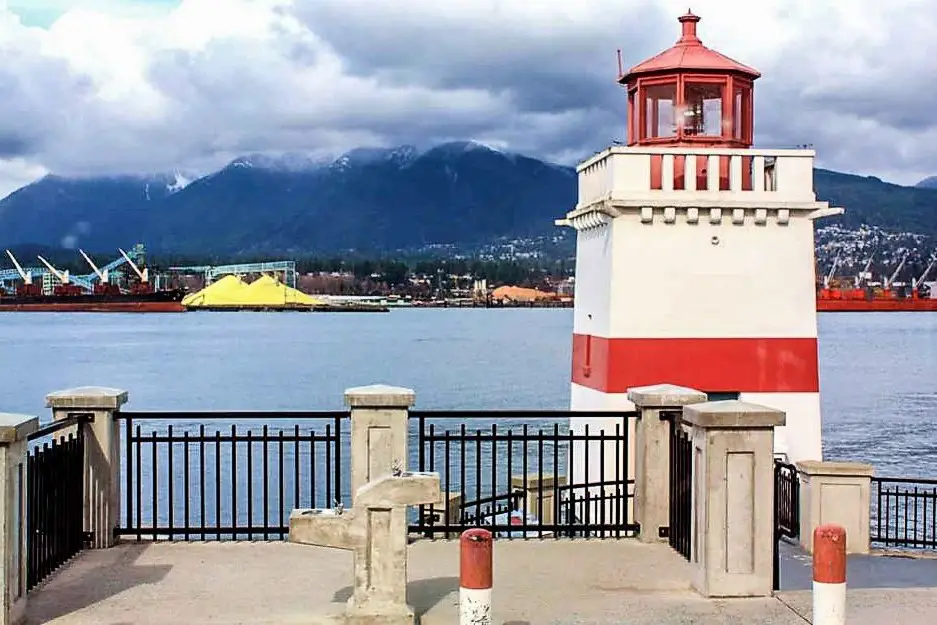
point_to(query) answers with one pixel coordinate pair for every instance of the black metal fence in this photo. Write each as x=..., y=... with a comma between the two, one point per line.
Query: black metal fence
x=787, y=500
x=188, y=479
x=786, y=511
x=679, y=532
x=904, y=513
x=54, y=497
x=508, y=471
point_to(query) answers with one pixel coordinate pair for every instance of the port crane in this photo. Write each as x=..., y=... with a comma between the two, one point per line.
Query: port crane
x=889, y=282
x=829, y=277
x=87, y=282
x=27, y=276
x=917, y=283
x=865, y=274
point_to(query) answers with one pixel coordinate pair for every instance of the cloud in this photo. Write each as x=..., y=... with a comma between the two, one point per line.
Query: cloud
x=130, y=87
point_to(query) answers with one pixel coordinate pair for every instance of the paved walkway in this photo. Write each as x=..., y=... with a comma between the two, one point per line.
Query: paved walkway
x=561, y=583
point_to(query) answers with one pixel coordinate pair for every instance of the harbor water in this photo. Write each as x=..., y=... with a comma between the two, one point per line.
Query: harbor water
x=878, y=370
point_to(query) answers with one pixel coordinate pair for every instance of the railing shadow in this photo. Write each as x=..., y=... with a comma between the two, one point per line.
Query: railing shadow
x=90, y=578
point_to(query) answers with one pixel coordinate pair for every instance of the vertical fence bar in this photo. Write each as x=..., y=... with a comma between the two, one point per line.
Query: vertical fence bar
x=138, y=446
x=524, y=471
x=448, y=478
x=462, y=440
x=218, y=519
x=155, y=483
x=621, y=487
x=128, y=452
x=185, y=477
x=234, y=482
x=338, y=457
x=169, y=463
x=296, y=467
x=201, y=479
x=421, y=451
x=556, y=480
x=281, y=500
x=265, y=446
x=250, y=484
x=330, y=502
x=539, y=483
x=479, y=493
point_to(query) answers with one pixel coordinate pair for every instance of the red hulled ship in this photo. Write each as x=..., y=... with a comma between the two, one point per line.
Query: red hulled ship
x=861, y=294
x=60, y=292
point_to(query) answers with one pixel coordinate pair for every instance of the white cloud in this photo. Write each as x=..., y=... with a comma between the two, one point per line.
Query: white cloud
x=127, y=87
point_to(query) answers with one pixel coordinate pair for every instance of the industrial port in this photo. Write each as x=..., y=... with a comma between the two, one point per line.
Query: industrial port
x=127, y=284
x=112, y=288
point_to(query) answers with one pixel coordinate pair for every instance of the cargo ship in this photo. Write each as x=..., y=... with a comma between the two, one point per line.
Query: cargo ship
x=864, y=295
x=93, y=293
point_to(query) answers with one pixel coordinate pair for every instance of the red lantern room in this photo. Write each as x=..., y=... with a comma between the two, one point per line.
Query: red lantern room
x=690, y=95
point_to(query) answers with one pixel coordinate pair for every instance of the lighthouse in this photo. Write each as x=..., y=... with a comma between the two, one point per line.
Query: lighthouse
x=695, y=251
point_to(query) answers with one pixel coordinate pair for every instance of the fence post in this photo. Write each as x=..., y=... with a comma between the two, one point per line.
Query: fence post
x=652, y=455
x=836, y=492
x=14, y=429
x=102, y=455
x=732, y=540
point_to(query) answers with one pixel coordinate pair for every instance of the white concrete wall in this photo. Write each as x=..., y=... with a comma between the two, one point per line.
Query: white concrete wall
x=670, y=280
x=594, y=262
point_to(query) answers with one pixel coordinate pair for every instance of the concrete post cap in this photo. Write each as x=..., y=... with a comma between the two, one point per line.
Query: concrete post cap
x=665, y=396
x=732, y=414
x=835, y=469
x=16, y=427
x=90, y=397
x=379, y=396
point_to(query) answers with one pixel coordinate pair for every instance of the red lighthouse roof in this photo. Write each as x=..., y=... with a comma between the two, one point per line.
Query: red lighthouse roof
x=689, y=53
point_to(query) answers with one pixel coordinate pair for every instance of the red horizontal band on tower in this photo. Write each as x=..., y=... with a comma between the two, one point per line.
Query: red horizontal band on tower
x=752, y=365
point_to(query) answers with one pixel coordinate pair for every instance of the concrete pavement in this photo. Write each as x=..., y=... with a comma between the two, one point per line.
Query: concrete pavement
x=550, y=582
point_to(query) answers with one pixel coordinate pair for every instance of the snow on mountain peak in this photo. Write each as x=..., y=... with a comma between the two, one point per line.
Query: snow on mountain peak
x=178, y=183
x=400, y=156
x=284, y=162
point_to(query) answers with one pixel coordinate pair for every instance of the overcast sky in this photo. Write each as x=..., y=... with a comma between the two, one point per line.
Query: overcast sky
x=130, y=86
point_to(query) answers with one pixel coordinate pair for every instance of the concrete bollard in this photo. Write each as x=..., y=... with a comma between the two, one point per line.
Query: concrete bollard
x=829, y=575
x=475, y=575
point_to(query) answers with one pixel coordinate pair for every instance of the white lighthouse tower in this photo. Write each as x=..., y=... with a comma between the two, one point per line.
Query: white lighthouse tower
x=695, y=252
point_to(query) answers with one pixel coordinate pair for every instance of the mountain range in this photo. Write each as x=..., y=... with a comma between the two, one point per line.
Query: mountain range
x=368, y=200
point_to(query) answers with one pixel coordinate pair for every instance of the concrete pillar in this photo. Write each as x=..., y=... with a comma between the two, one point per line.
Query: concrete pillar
x=437, y=511
x=652, y=454
x=732, y=540
x=102, y=455
x=379, y=445
x=837, y=493
x=540, y=488
x=14, y=429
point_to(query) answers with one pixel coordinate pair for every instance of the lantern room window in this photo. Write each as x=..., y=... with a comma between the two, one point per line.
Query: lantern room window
x=702, y=111
x=742, y=112
x=660, y=102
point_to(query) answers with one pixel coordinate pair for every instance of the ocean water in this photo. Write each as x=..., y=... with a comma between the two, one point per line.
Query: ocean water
x=878, y=371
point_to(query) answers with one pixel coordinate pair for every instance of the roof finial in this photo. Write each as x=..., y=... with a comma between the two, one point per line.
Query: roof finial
x=689, y=22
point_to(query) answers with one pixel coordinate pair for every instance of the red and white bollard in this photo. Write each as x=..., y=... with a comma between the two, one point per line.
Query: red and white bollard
x=829, y=575
x=475, y=568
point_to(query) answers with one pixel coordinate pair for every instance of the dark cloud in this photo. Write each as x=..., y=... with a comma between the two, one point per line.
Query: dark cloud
x=324, y=76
